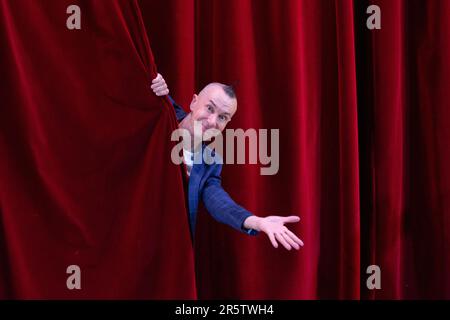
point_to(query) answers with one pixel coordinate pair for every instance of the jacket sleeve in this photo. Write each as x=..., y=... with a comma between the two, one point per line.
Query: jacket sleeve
x=179, y=111
x=220, y=205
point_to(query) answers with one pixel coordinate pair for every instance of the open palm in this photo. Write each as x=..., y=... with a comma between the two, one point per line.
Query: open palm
x=275, y=229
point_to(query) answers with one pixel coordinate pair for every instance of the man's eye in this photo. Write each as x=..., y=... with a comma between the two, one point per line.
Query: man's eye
x=210, y=108
x=223, y=118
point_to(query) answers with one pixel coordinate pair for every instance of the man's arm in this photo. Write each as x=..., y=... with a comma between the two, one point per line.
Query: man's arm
x=220, y=205
x=179, y=111
x=225, y=210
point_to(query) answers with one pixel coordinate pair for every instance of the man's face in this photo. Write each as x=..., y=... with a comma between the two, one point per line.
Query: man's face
x=213, y=108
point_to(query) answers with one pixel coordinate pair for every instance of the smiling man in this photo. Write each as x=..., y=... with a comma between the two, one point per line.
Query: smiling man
x=213, y=108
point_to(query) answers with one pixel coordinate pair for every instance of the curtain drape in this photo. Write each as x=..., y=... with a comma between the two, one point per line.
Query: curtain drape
x=86, y=176
x=364, y=120
x=364, y=128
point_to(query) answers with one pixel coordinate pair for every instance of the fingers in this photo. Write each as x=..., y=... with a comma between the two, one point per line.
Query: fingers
x=281, y=240
x=295, y=238
x=162, y=92
x=158, y=77
x=159, y=86
x=287, y=238
x=291, y=241
x=160, y=89
x=272, y=239
x=291, y=219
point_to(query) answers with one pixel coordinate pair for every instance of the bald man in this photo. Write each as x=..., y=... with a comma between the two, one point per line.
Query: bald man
x=213, y=108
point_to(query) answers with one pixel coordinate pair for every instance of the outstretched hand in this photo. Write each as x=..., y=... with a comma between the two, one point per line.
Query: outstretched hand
x=274, y=228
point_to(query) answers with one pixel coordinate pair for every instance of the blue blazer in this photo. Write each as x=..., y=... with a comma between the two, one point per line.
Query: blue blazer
x=205, y=184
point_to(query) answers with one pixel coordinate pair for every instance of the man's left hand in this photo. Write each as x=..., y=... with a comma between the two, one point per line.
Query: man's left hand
x=274, y=228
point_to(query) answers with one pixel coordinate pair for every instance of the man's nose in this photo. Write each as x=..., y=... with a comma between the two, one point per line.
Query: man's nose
x=212, y=121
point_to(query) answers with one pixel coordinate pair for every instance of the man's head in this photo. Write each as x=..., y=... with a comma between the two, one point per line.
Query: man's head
x=213, y=107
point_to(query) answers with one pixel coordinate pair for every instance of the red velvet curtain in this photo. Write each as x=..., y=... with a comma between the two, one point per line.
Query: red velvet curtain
x=364, y=126
x=86, y=175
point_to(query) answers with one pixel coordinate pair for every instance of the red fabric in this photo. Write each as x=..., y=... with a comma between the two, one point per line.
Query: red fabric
x=86, y=176
x=406, y=195
x=364, y=127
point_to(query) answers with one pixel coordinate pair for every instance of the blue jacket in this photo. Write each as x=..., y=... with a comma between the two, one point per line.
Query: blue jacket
x=205, y=184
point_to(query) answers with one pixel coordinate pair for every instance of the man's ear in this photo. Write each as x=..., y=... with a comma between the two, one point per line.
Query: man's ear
x=193, y=102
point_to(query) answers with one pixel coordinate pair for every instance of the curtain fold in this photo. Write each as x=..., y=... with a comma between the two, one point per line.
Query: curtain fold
x=86, y=175
x=363, y=117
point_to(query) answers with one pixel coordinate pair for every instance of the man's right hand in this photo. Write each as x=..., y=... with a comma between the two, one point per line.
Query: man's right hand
x=159, y=86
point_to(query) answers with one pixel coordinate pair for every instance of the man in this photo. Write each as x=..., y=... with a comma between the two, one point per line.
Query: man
x=213, y=108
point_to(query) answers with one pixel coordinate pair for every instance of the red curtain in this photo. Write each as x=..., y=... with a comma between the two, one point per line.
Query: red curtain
x=86, y=175
x=364, y=152
x=364, y=127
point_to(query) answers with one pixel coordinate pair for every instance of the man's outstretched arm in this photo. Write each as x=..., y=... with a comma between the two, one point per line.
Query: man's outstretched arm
x=222, y=207
x=225, y=210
